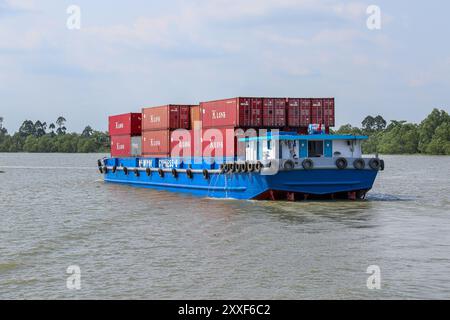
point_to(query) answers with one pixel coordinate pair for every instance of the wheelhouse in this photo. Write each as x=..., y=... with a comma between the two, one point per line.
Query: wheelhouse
x=293, y=146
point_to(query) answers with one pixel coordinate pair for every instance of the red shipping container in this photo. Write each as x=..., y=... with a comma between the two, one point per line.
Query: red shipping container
x=125, y=146
x=293, y=112
x=298, y=112
x=317, y=111
x=328, y=112
x=186, y=143
x=166, y=117
x=305, y=112
x=220, y=142
x=274, y=112
x=156, y=142
x=235, y=112
x=125, y=124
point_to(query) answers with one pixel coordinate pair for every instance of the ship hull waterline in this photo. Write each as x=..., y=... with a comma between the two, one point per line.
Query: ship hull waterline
x=284, y=185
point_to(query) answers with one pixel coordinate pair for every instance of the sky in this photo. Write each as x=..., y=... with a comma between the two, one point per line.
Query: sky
x=136, y=53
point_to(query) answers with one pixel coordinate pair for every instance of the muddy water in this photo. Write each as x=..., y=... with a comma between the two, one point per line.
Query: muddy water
x=138, y=243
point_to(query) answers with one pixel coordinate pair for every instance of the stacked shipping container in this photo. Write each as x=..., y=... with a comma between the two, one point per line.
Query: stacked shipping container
x=158, y=124
x=328, y=112
x=223, y=119
x=298, y=112
x=125, y=132
x=232, y=113
x=274, y=112
x=210, y=128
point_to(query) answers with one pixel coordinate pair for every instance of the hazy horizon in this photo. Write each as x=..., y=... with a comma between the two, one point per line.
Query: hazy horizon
x=143, y=53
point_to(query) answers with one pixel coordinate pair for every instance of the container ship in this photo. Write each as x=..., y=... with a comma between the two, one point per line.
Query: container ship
x=240, y=148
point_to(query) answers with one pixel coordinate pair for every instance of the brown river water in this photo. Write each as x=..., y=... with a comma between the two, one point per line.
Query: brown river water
x=132, y=243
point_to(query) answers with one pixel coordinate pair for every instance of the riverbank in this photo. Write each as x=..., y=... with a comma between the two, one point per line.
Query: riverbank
x=431, y=136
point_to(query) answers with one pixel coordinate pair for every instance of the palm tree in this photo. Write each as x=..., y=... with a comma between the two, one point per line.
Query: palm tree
x=60, y=122
x=3, y=131
x=87, y=132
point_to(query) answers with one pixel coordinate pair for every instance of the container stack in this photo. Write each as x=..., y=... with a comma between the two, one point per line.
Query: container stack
x=213, y=128
x=125, y=133
x=158, y=124
x=222, y=122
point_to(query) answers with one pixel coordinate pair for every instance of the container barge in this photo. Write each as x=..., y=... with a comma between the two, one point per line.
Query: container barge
x=241, y=148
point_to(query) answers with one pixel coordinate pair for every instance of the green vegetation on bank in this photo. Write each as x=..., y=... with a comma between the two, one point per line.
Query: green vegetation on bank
x=38, y=137
x=431, y=136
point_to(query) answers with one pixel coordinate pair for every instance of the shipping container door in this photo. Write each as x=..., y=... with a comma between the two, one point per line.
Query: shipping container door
x=280, y=112
x=244, y=110
x=317, y=111
x=293, y=114
x=305, y=112
x=136, y=146
x=256, y=113
x=274, y=112
x=174, y=117
x=185, y=114
x=329, y=110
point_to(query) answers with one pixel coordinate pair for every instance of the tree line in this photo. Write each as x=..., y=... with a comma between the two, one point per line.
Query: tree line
x=40, y=137
x=431, y=136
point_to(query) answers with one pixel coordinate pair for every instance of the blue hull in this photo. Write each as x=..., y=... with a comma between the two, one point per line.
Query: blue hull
x=292, y=185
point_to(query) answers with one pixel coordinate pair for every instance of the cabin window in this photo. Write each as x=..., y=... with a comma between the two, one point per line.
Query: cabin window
x=315, y=149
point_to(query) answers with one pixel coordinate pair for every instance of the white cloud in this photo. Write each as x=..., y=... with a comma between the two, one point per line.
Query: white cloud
x=154, y=31
x=21, y=4
x=350, y=10
x=332, y=36
x=27, y=40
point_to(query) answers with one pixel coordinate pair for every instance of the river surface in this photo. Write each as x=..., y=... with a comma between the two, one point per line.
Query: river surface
x=132, y=243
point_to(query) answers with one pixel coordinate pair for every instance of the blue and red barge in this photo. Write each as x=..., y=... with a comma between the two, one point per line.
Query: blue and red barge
x=281, y=166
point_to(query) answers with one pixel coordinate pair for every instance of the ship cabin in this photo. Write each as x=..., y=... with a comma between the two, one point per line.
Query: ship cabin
x=293, y=149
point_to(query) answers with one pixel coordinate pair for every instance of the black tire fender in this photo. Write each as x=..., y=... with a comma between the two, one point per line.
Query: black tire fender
x=359, y=164
x=341, y=163
x=288, y=165
x=307, y=164
x=375, y=164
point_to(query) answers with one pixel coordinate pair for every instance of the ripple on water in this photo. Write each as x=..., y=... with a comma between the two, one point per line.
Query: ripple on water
x=8, y=266
x=142, y=243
